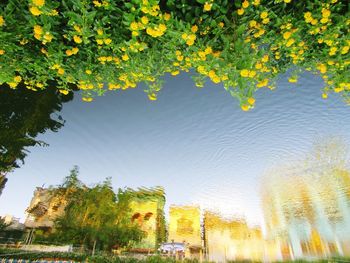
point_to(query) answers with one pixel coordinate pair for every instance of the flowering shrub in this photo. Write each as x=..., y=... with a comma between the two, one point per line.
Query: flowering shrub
x=101, y=45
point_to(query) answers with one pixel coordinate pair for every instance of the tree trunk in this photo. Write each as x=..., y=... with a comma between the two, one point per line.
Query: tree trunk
x=93, y=248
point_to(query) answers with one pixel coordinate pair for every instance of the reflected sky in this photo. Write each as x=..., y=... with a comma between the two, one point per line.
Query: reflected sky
x=197, y=143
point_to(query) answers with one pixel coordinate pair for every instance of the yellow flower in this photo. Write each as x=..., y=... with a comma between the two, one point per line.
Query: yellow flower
x=99, y=41
x=252, y=73
x=322, y=68
x=293, y=79
x=135, y=33
x=252, y=23
x=134, y=26
x=35, y=11
x=2, y=21
x=240, y=11
x=77, y=28
x=262, y=83
x=287, y=35
x=251, y=101
x=244, y=73
x=265, y=58
x=97, y=3
x=326, y=12
x=107, y=41
x=314, y=22
x=287, y=1
x=152, y=96
x=12, y=84
x=215, y=79
x=69, y=52
x=166, y=16
x=221, y=24
x=77, y=39
x=125, y=57
x=324, y=20
x=39, y=2
x=75, y=50
x=17, y=79
x=245, y=107
x=208, y=50
x=190, y=42
x=60, y=71
x=88, y=71
x=324, y=95
x=332, y=51
x=87, y=99
x=174, y=73
x=207, y=6
x=290, y=42
x=38, y=30
x=48, y=37
x=144, y=20
x=266, y=20
x=263, y=15
x=344, y=50
x=245, y=4
x=194, y=29
x=162, y=27
x=256, y=2
x=338, y=89
x=2, y=52
x=63, y=91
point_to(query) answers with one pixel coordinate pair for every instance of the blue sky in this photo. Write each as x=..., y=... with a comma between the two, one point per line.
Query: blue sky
x=197, y=143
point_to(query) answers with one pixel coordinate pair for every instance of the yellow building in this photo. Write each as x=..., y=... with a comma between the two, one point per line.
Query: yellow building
x=147, y=207
x=231, y=239
x=44, y=208
x=185, y=227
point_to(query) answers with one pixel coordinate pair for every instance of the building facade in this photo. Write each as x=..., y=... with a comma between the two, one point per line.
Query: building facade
x=185, y=227
x=147, y=206
x=44, y=208
x=231, y=239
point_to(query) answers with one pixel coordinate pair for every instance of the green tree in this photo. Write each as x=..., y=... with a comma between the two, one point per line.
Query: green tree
x=96, y=217
x=24, y=115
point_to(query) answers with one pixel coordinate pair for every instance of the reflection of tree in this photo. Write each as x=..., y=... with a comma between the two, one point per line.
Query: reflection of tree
x=23, y=115
x=3, y=181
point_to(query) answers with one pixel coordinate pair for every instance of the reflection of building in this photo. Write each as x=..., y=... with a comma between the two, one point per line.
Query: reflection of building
x=185, y=227
x=44, y=208
x=231, y=239
x=147, y=207
x=308, y=212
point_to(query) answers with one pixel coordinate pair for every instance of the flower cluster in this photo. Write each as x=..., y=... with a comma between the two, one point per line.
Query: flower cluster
x=115, y=45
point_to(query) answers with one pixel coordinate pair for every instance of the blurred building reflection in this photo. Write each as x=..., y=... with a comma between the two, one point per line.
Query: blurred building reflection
x=147, y=205
x=307, y=211
x=231, y=239
x=185, y=227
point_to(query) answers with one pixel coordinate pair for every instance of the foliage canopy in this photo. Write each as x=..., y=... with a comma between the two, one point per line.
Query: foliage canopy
x=102, y=45
x=23, y=116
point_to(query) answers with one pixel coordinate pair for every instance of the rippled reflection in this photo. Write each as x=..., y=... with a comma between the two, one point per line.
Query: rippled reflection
x=307, y=205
